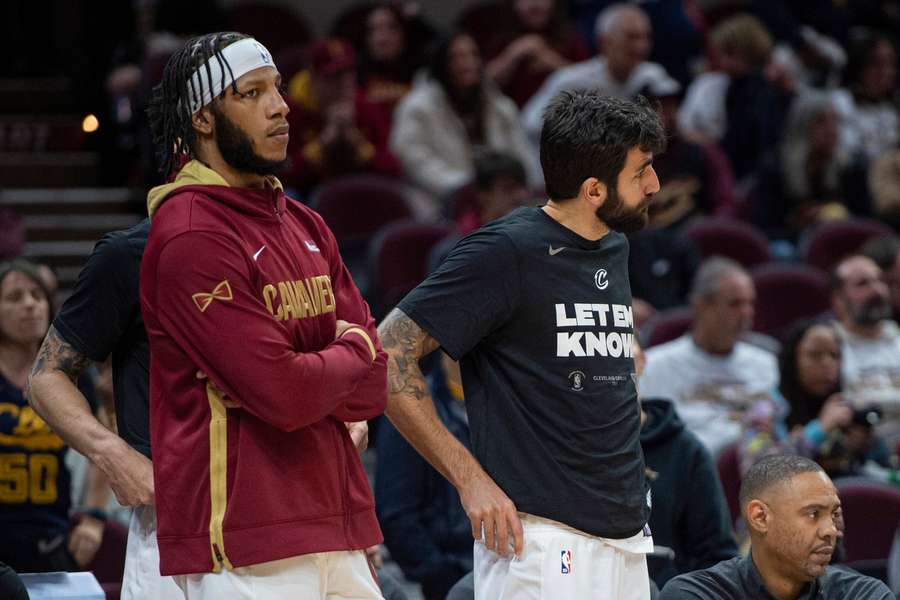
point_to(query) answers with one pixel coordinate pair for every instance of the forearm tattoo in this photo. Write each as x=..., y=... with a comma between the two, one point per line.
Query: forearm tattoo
x=405, y=343
x=57, y=355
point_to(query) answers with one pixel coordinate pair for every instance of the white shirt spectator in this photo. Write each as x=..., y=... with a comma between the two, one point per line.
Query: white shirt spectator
x=867, y=130
x=594, y=74
x=711, y=392
x=702, y=113
x=870, y=369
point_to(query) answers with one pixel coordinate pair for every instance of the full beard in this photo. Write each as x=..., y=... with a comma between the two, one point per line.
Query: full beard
x=236, y=149
x=618, y=217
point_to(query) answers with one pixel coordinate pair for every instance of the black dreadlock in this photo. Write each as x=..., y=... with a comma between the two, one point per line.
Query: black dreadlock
x=169, y=109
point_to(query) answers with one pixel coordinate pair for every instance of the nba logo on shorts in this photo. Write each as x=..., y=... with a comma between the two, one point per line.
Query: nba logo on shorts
x=565, y=566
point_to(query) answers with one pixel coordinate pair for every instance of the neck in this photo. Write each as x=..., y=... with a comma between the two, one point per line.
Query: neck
x=710, y=342
x=578, y=217
x=16, y=361
x=864, y=331
x=778, y=584
x=234, y=178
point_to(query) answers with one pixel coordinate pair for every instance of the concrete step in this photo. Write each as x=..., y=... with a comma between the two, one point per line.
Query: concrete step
x=74, y=201
x=45, y=169
x=68, y=227
x=44, y=95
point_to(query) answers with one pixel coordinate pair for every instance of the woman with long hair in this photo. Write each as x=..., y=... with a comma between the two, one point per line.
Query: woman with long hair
x=453, y=112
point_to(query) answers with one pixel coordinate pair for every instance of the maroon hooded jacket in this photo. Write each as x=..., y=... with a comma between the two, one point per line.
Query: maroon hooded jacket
x=246, y=287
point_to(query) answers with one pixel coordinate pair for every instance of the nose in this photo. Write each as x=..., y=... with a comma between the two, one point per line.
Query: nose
x=653, y=184
x=829, y=531
x=278, y=106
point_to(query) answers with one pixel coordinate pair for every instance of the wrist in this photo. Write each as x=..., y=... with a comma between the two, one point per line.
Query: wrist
x=93, y=513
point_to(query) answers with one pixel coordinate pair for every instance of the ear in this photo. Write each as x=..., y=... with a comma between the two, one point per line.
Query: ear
x=758, y=516
x=203, y=121
x=594, y=191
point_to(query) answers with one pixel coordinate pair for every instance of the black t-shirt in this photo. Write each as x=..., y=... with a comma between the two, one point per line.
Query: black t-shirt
x=541, y=321
x=738, y=579
x=103, y=317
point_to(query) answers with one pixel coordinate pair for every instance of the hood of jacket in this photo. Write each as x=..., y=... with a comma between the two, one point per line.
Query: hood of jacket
x=662, y=421
x=266, y=202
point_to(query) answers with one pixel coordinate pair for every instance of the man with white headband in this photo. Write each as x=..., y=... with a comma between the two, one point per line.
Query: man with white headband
x=262, y=349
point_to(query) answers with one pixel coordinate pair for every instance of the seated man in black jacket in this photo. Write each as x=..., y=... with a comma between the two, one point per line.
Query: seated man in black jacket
x=425, y=527
x=794, y=517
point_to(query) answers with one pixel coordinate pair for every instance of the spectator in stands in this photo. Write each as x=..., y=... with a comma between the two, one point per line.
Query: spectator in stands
x=452, y=113
x=793, y=514
x=35, y=499
x=870, y=341
x=500, y=186
x=695, y=176
x=806, y=180
x=692, y=535
x=334, y=130
x=867, y=103
x=824, y=426
x=712, y=376
x=536, y=40
x=621, y=69
x=885, y=251
x=425, y=527
x=387, y=62
x=735, y=104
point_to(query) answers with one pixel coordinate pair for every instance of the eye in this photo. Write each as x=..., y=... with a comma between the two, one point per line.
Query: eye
x=251, y=93
x=814, y=514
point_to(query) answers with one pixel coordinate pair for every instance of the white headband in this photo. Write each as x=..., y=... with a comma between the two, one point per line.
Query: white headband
x=242, y=57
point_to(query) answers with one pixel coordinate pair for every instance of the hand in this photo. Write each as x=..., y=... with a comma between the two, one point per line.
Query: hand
x=85, y=538
x=130, y=476
x=528, y=45
x=226, y=401
x=373, y=553
x=835, y=413
x=359, y=433
x=341, y=326
x=491, y=511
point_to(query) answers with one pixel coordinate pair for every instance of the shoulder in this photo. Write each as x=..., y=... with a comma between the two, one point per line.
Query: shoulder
x=669, y=351
x=720, y=582
x=844, y=582
x=122, y=245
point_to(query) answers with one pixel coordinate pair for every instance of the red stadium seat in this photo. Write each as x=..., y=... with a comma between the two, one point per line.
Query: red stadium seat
x=399, y=260
x=871, y=516
x=722, y=236
x=825, y=245
x=357, y=206
x=667, y=325
x=786, y=293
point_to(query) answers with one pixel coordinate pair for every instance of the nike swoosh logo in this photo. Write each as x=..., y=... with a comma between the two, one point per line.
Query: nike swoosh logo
x=554, y=251
x=258, y=252
x=48, y=546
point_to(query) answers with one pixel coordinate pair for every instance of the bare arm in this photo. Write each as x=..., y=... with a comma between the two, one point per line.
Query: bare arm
x=411, y=410
x=54, y=396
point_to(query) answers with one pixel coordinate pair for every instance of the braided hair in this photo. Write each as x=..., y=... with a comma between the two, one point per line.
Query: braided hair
x=169, y=109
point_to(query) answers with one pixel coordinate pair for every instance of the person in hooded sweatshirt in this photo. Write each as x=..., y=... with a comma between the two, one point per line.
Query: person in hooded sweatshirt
x=689, y=518
x=261, y=349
